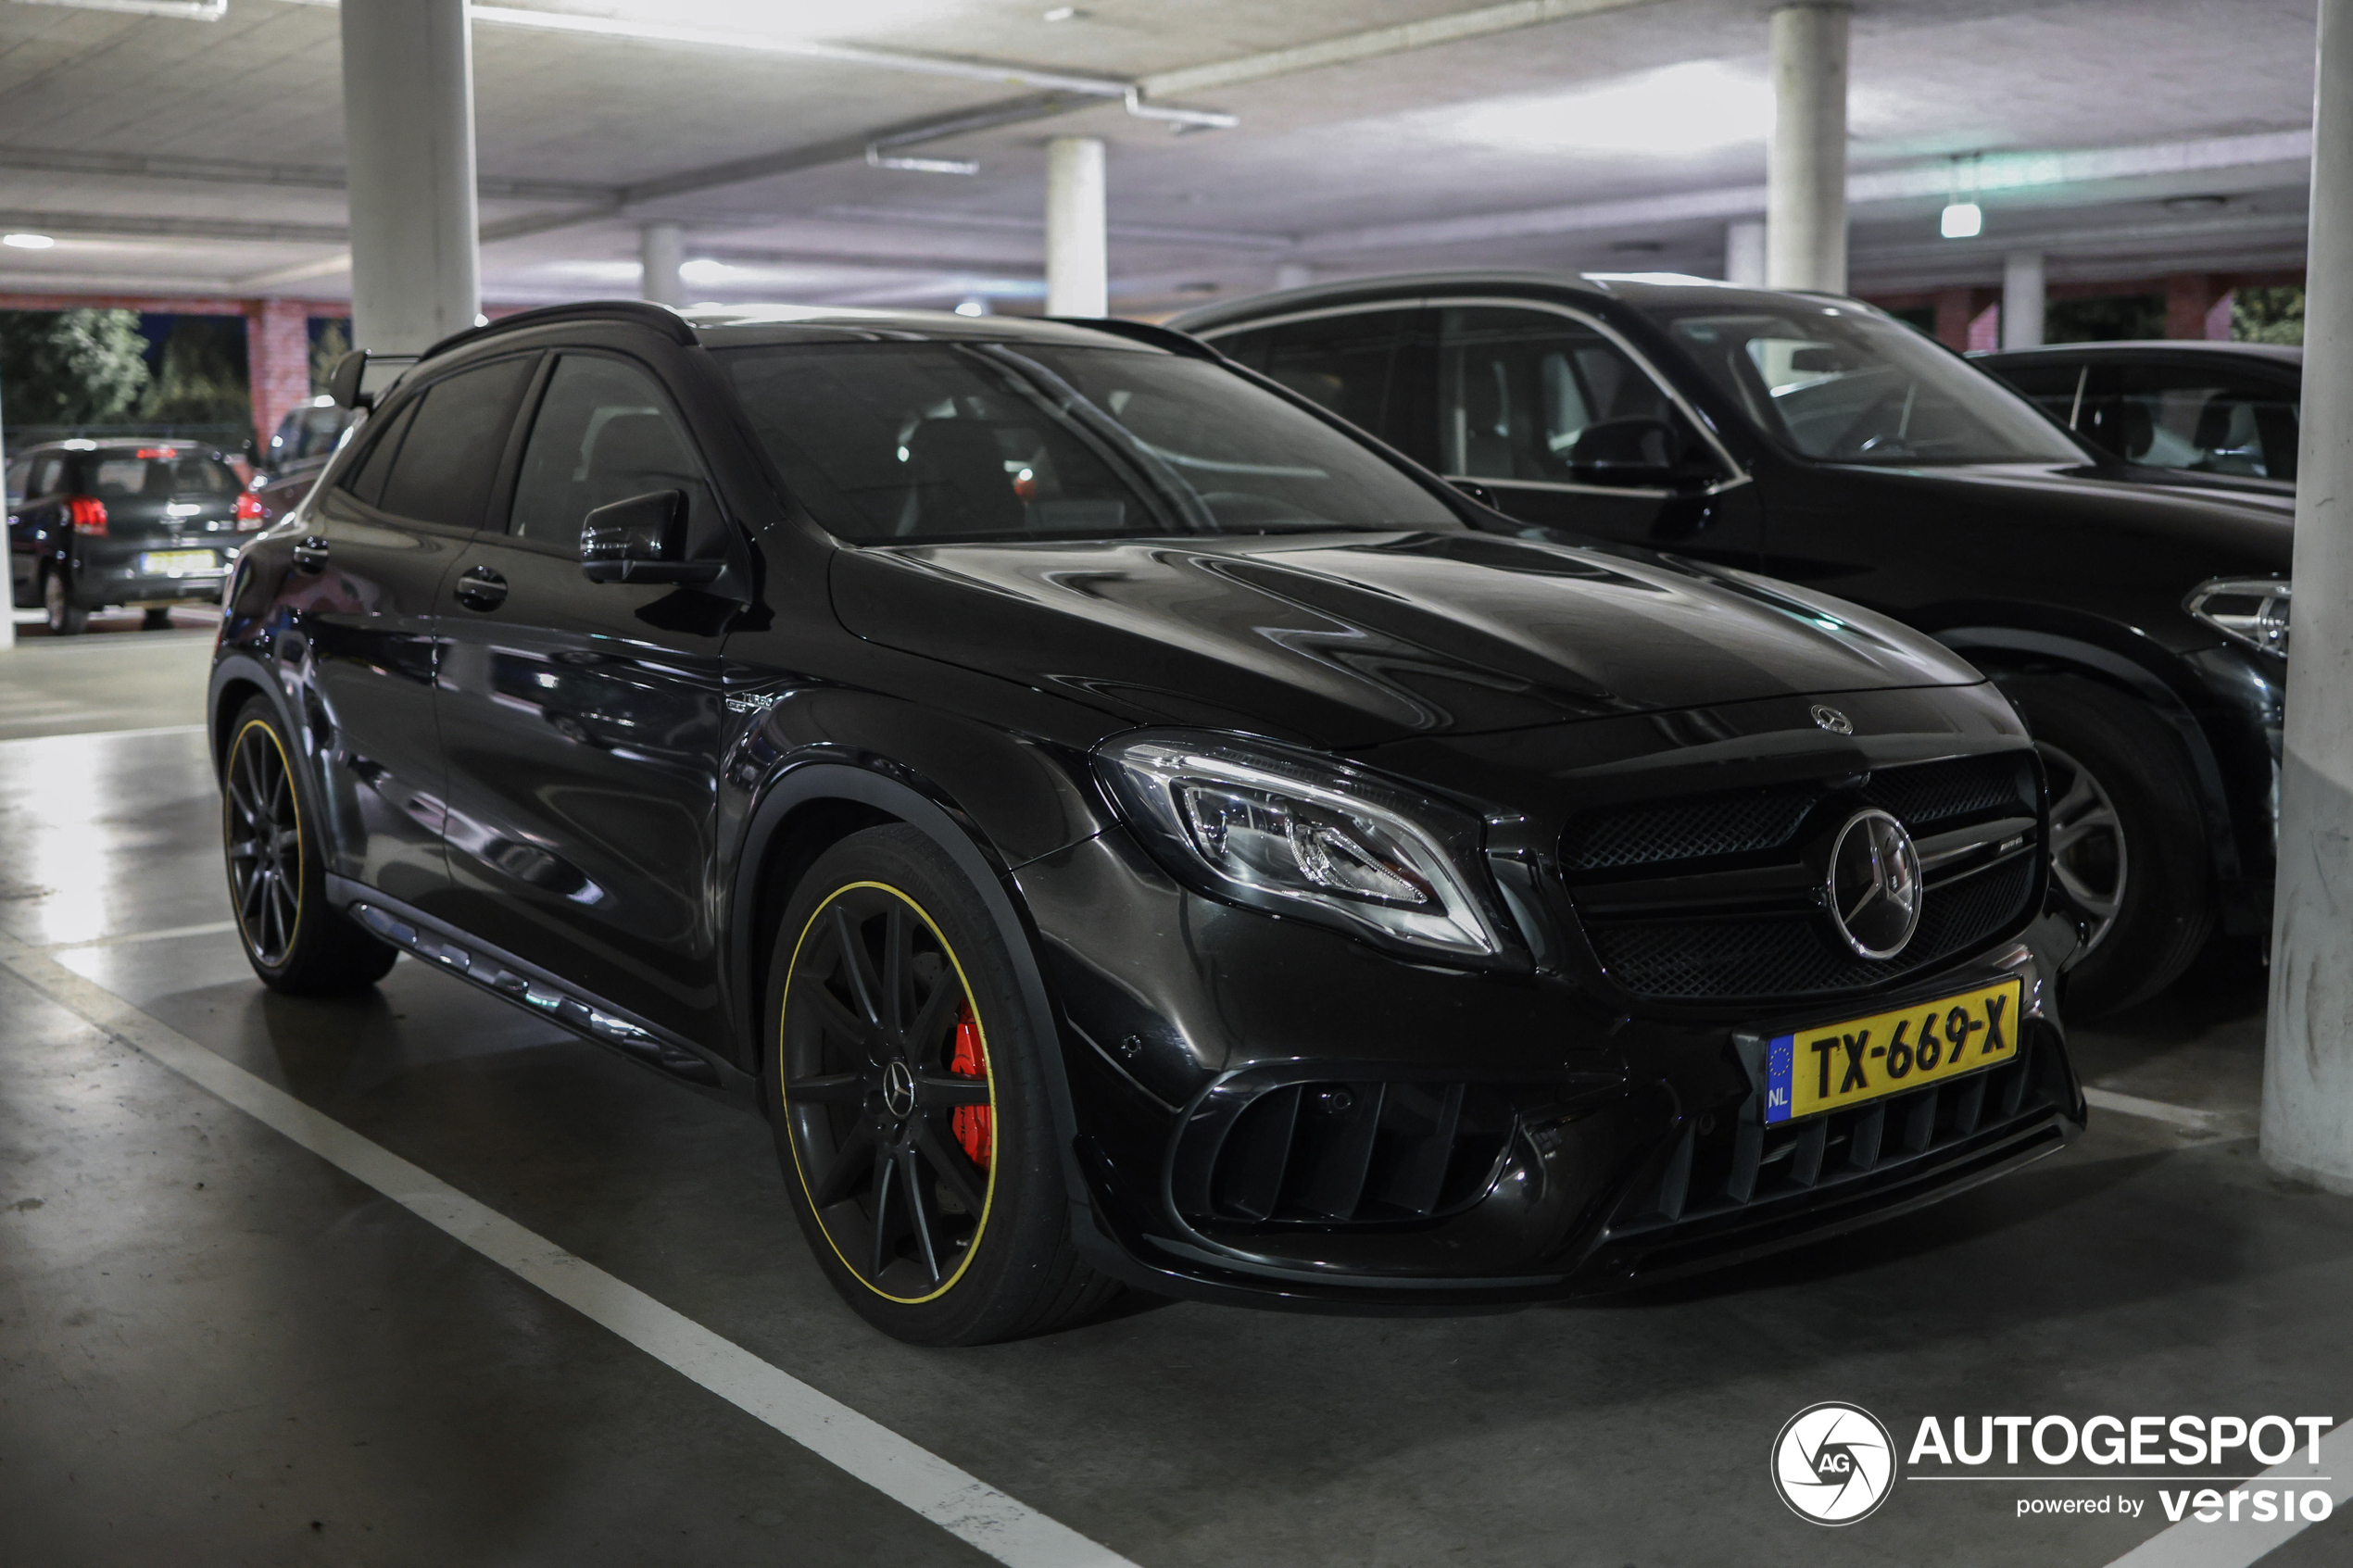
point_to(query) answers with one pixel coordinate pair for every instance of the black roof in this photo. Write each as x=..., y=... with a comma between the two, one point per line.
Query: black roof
x=2271, y=353
x=1637, y=288
x=748, y=324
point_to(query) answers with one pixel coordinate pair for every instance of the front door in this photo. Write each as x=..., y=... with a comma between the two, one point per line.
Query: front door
x=581, y=720
x=378, y=545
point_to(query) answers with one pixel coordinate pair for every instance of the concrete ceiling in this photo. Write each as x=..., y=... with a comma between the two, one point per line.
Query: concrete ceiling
x=178, y=155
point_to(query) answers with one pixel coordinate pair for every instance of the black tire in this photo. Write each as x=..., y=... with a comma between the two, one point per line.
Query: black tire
x=156, y=620
x=903, y=1061
x=277, y=879
x=2120, y=774
x=67, y=618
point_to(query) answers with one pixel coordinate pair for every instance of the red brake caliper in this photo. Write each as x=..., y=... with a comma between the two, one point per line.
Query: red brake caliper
x=974, y=1125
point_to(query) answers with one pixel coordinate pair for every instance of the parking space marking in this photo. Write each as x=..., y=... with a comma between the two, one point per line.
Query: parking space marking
x=169, y=933
x=2192, y=1545
x=2220, y=1124
x=965, y=1506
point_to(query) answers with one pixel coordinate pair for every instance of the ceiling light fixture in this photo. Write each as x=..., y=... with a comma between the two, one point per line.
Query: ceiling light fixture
x=1066, y=14
x=1693, y=107
x=1962, y=218
x=27, y=242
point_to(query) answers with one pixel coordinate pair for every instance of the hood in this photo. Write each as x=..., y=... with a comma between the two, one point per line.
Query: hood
x=1357, y=639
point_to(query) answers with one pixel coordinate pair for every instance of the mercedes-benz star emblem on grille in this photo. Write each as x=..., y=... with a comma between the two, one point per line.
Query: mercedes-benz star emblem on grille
x=1875, y=884
x=1832, y=720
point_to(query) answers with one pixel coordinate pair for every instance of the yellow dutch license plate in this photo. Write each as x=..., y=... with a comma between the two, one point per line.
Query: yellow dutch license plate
x=1836, y=1065
x=176, y=563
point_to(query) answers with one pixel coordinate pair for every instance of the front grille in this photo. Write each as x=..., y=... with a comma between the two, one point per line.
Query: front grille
x=1738, y=1165
x=1341, y=1153
x=1713, y=899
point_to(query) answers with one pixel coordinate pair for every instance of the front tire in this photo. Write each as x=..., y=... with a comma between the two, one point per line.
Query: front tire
x=905, y=1081
x=67, y=618
x=2128, y=837
x=277, y=880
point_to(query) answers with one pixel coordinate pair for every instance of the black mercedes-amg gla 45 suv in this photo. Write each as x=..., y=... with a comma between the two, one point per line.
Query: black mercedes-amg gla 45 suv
x=1124, y=826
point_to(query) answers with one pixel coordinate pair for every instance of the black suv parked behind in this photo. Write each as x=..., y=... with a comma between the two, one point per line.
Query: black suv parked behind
x=147, y=524
x=2141, y=631
x=1123, y=826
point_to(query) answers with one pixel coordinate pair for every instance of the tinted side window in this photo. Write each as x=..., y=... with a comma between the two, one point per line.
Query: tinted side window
x=1519, y=389
x=604, y=432
x=2053, y=386
x=365, y=479
x=2204, y=420
x=48, y=477
x=445, y=466
x=1343, y=362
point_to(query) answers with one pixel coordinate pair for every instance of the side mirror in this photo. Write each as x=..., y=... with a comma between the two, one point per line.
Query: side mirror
x=1635, y=452
x=1476, y=492
x=639, y=540
x=343, y=382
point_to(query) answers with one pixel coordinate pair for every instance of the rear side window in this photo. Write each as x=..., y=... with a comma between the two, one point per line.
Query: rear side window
x=447, y=463
x=2195, y=417
x=307, y=432
x=48, y=477
x=365, y=479
x=1519, y=389
x=1343, y=362
x=123, y=477
x=604, y=433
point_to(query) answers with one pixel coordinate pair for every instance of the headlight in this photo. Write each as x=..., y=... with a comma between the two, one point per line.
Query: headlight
x=1299, y=835
x=2250, y=610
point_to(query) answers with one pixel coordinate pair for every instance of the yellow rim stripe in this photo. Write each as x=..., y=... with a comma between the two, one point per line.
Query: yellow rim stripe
x=988, y=1068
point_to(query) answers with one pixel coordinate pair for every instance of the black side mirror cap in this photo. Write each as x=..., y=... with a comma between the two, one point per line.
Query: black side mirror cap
x=1476, y=492
x=639, y=540
x=343, y=382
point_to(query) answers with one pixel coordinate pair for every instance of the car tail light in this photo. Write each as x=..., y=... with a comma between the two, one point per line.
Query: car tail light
x=89, y=515
x=249, y=515
x=151, y=453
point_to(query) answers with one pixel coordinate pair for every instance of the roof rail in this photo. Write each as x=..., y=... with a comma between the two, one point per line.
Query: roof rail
x=1169, y=338
x=658, y=317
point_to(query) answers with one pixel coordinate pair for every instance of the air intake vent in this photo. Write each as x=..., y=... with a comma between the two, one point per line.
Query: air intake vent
x=1353, y=1153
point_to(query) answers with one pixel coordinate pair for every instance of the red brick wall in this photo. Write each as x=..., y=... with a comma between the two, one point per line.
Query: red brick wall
x=277, y=360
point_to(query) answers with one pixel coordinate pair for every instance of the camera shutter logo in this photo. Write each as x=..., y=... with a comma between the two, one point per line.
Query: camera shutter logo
x=1833, y=1463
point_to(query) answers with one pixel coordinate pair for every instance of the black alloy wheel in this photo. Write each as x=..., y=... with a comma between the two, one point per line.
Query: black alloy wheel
x=263, y=837
x=67, y=618
x=277, y=883
x=909, y=1114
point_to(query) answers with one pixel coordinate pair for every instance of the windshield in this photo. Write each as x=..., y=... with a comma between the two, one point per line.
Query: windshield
x=911, y=443
x=1845, y=384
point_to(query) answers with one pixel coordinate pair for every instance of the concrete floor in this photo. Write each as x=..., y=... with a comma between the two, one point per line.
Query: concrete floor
x=214, y=1347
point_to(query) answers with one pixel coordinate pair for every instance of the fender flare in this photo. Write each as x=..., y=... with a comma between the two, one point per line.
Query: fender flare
x=810, y=782
x=245, y=669
x=2145, y=683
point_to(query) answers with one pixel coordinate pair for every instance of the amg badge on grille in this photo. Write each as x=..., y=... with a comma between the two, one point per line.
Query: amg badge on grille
x=1874, y=885
x=1832, y=720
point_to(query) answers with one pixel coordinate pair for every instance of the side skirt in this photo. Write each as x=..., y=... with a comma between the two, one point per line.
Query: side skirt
x=539, y=993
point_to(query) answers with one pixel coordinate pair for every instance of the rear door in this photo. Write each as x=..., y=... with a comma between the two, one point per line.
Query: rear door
x=581, y=720
x=379, y=544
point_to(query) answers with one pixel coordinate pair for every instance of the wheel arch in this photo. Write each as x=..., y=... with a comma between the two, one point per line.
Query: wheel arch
x=2140, y=671
x=236, y=680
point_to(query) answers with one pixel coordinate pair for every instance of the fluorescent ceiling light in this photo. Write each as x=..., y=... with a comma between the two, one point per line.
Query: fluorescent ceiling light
x=27, y=242
x=1685, y=109
x=1961, y=220
x=702, y=269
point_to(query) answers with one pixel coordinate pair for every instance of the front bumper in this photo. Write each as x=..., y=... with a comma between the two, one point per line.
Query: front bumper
x=1533, y=1140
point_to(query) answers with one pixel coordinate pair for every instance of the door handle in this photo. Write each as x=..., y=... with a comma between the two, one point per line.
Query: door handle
x=310, y=553
x=482, y=588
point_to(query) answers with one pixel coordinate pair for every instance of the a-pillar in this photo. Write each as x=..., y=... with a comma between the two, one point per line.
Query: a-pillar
x=2022, y=294
x=661, y=248
x=277, y=360
x=1745, y=253
x=408, y=132
x=1077, y=248
x=1806, y=161
x=2308, y=1056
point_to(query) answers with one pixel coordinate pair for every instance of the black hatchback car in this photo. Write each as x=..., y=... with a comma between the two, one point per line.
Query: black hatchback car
x=1124, y=827
x=2140, y=630
x=146, y=524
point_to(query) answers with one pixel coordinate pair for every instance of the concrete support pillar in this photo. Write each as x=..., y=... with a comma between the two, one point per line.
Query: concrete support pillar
x=1294, y=275
x=661, y=248
x=1745, y=253
x=277, y=360
x=2022, y=292
x=1077, y=250
x=2308, y=1058
x=1806, y=162
x=409, y=130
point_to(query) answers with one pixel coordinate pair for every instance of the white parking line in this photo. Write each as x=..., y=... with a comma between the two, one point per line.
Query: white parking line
x=959, y=1503
x=2193, y=1545
x=210, y=928
x=2220, y=1124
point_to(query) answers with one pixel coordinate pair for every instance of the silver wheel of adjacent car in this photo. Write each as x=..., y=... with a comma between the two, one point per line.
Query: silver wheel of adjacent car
x=66, y=618
x=2089, y=854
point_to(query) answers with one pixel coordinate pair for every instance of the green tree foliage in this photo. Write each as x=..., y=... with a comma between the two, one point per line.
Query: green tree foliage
x=2274, y=315
x=69, y=367
x=332, y=343
x=201, y=376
